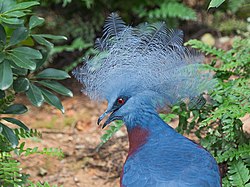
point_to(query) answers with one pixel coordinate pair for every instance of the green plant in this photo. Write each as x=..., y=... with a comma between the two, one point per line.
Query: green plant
x=171, y=11
x=22, y=56
x=218, y=123
x=215, y=3
x=231, y=17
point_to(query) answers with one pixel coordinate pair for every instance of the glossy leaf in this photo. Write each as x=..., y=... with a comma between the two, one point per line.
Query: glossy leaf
x=21, y=61
x=6, y=76
x=57, y=87
x=28, y=52
x=52, y=37
x=215, y=3
x=43, y=41
x=35, y=21
x=16, y=14
x=16, y=122
x=16, y=109
x=24, y=5
x=35, y=96
x=19, y=71
x=2, y=35
x=51, y=73
x=21, y=84
x=18, y=35
x=11, y=21
x=9, y=135
x=40, y=62
x=52, y=100
x=5, y=5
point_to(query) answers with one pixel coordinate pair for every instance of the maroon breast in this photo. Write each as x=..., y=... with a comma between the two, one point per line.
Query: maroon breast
x=137, y=137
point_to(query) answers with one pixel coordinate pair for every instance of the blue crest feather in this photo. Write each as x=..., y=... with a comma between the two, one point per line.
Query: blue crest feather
x=147, y=57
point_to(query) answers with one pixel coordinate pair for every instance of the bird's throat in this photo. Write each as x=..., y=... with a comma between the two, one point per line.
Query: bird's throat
x=137, y=137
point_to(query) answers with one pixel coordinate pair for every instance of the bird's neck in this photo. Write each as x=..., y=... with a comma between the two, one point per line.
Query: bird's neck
x=142, y=128
x=137, y=137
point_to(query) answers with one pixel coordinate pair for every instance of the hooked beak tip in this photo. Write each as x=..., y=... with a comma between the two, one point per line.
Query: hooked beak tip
x=111, y=118
x=104, y=125
x=101, y=117
x=99, y=121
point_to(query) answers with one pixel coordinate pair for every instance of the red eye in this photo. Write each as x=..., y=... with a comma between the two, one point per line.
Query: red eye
x=121, y=101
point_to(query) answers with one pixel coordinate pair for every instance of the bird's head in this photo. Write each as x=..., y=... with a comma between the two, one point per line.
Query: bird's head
x=115, y=109
x=126, y=107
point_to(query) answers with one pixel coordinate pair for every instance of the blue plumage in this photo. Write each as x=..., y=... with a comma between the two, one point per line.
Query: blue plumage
x=166, y=158
x=139, y=70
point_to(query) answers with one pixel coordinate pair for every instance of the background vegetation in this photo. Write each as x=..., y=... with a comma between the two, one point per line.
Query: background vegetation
x=32, y=64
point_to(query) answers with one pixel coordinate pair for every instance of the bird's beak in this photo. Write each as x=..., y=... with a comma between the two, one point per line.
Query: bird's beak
x=111, y=118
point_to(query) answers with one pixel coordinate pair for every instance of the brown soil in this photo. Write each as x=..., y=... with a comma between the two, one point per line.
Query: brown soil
x=85, y=163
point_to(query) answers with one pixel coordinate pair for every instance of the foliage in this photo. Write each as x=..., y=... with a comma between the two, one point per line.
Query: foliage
x=232, y=25
x=231, y=17
x=220, y=119
x=215, y=3
x=165, y=9
x=111, y=130
x=85, y=22
x=22, y=56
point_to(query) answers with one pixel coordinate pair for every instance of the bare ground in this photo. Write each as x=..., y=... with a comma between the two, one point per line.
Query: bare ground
x=85, y=163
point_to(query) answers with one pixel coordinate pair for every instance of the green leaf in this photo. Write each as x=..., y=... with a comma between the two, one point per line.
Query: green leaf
x=16, y=109
x=6, y=76
x=21, y=84
x=40, y=62
x=24, y=5
x=21, y=61
x=28, y=42
x=35, y=21
x=43, y=41
x=18, y=71
x=50, y=36
x=16, y=14
x=215, y=3
x=5, y=5
x=11, y=21
x=51, y=73
x=239, y=173
x=35, y=96
x=17, y=122
x=247, y=185
x=9, y=135
x=28, y=52
x=2, y=36
x=52, y=99
x=57, y=87
x=18, y=35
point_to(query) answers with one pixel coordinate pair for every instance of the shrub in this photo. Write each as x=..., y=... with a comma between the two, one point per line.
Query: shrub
x=22, y=56
x=219, y=121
